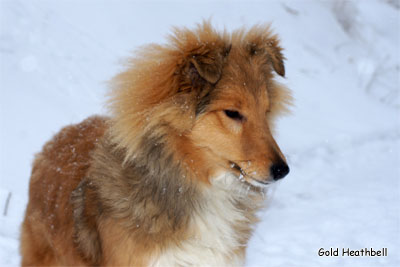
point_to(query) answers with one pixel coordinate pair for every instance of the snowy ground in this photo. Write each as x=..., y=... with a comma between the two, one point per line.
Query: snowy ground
x=342, y=141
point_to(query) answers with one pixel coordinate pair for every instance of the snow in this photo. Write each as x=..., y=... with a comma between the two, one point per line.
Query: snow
x=342, y=139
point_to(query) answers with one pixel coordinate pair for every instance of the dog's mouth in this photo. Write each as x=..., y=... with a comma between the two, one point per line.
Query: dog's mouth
x=250, y=180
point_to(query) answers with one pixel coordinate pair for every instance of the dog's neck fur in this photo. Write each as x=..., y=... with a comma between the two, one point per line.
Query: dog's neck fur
x=219, y=229
x=190, y=222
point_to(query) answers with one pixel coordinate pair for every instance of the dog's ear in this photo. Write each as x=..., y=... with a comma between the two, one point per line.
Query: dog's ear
x=268, y=46
x=204, y=65
x=275, y=56
x=209, y=66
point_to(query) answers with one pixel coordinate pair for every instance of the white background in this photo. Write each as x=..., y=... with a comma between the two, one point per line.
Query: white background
x=342, y=139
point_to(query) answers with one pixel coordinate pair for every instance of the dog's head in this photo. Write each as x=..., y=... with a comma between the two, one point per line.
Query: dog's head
x=211, y=98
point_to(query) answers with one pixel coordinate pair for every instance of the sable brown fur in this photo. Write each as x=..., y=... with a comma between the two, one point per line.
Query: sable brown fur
x=129, y=189
x=48, y=228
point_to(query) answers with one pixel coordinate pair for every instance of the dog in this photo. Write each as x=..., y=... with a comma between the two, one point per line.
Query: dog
x=176, y=173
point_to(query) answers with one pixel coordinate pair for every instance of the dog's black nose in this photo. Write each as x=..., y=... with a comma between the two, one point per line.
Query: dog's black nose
x=279, y=171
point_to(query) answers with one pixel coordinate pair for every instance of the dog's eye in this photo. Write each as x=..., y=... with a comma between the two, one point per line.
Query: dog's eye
x=233, y=114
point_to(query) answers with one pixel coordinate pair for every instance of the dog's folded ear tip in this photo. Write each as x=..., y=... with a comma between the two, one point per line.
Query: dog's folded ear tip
x=212, y=73
x=280, y=70
x=276, y=59
x=207, y=65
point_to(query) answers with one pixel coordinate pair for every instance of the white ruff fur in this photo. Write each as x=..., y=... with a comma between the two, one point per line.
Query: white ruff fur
x=214, y=238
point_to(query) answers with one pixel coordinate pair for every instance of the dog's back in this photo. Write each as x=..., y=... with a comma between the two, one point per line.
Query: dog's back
x=56, y=172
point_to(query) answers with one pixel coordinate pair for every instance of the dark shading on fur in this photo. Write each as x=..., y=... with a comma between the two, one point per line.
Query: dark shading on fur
x=152, y=191
x=86, y=211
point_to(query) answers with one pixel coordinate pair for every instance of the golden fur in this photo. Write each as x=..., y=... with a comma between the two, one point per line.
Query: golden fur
x=175, y=175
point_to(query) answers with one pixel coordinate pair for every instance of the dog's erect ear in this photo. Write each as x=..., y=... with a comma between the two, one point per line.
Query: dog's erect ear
x=205, y=65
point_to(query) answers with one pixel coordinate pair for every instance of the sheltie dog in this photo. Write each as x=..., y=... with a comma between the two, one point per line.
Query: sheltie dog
x=176, y=174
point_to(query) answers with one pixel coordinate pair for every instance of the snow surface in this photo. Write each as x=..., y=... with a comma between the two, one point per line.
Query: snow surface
x=342, y=140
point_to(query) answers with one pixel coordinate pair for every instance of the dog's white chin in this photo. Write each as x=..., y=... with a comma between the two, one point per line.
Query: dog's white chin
x=237, y=182
x=256, y=183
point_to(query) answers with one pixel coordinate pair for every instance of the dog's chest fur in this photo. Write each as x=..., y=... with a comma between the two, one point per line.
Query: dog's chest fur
x=175, y=222
x=219, y=230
